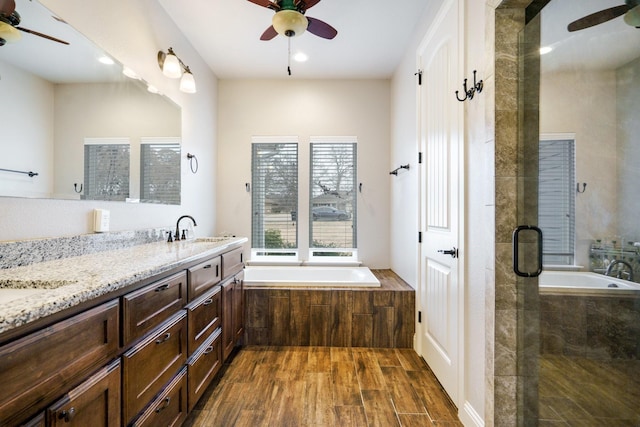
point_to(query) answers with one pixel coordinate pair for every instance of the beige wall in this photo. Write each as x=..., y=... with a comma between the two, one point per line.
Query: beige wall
x=142, y=29
x=307, y=108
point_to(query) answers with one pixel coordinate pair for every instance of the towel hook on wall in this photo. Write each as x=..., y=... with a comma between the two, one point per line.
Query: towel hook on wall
x=584, y=187
x=468, y=93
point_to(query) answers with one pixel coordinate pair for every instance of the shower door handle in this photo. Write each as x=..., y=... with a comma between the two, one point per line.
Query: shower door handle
x=516, y=234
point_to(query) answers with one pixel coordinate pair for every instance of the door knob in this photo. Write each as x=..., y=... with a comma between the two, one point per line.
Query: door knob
x=453, y=252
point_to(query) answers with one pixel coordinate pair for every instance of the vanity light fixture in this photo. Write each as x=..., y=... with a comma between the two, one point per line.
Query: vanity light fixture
x=174, y=68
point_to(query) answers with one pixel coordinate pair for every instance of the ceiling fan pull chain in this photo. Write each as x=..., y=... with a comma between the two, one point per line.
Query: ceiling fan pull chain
x=289, y=56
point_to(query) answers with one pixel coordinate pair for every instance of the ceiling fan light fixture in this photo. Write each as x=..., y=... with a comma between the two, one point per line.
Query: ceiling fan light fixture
x=9, y=33
x=187, y=82
x=290, y=23
x=632, y=17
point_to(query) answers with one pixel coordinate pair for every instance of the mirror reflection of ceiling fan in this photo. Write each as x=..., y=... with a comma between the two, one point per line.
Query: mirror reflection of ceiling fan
x=630, y=10
x=9, y=25
x=290, y=21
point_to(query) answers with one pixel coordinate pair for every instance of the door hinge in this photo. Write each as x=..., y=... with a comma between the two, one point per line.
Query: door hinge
x=419, y=74
x=420, y=157
x=419, y=317
x=419, y=236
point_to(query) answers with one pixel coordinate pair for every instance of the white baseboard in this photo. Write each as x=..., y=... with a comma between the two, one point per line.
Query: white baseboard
x=469, y=417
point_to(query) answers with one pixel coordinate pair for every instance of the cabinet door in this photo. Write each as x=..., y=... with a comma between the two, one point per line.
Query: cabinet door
x=204, y=276
x=146, y=308
x=203, y=366
x=42, y=366
x=238, y=307
x=151, y=364
x=170, y=407
x=95, y=402
x=228, y=331
x=204, y=317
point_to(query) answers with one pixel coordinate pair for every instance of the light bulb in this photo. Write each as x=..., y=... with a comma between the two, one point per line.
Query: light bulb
x=171, y=66
x=187, y=82
x=632, y=17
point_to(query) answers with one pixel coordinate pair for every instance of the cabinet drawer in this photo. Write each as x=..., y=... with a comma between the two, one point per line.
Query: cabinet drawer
x=203, y=277
x=148, y=366
x=232, y=262
x=170, y=407
x=95, y=402
x=146, y=308
x=203, y=366
x=203, y=317
x=42, y=366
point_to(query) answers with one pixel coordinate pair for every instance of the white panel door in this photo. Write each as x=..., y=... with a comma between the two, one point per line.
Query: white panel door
x=441, y=186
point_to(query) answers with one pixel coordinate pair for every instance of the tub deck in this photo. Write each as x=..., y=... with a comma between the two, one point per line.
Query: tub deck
x=340, y=317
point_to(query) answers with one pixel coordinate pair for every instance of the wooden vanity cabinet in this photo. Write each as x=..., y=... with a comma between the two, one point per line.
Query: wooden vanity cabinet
x=203, y=365
x=152, y=363
x=232, y=313
x=148, y=307
x=232, y=263
x=204, y=276
x=42, y=366
x=170, y=407
x=95, y=402
x=204, y=316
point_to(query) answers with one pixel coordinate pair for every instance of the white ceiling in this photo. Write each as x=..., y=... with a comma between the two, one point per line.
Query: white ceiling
x=372, y=37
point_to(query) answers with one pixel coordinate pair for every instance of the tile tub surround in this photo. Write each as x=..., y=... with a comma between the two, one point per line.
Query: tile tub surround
x=382, y=317
x=68, y=282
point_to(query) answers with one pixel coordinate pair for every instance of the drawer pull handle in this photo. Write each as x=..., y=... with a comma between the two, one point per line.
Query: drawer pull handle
x=208, y=350
x=67, y=416
x=165, y=406
x=162, y=288
x=208, y=302
x=164, y=338
x=207, y=266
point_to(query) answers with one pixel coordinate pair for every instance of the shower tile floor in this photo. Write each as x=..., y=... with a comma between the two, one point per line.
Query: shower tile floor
x=584, y=392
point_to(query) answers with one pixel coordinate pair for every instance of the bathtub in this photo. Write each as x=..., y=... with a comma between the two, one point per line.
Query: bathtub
x=309, y=276
x=584, y=283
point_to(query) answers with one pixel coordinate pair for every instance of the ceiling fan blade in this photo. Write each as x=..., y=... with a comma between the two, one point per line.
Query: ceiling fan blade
x=266, y=3
x=307, y=4
x=35, y=33
x=321, y=29
x=598, y=18
x=7, y=7
x=269, y=33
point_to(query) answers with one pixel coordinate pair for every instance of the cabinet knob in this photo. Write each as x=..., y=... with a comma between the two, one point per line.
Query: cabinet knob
x=67, y=415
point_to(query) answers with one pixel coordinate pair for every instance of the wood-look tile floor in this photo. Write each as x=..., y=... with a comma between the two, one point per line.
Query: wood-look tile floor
x=325, y=386
x=584, y=392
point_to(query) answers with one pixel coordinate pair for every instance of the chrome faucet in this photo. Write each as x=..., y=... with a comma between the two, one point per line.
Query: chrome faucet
x=619, y=270
x=177, y=235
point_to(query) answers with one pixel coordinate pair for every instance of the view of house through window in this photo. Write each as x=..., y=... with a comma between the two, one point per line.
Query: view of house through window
x=332, y=204
x=332, y=197
x=274, y=202
x=556, y=200
x=106, y=168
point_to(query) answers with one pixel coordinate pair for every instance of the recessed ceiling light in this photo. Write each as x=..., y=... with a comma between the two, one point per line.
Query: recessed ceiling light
x=106, y=60
x=300, y=57
x=545, y=49
x=152, y=89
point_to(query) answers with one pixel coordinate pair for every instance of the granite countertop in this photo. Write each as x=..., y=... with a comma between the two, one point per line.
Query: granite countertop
x=31, y=292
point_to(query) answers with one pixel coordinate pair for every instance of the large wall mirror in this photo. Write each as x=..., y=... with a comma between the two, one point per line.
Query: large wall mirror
x=87, y=130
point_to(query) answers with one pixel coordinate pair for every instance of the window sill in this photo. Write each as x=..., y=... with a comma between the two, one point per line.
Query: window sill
x=563, y=267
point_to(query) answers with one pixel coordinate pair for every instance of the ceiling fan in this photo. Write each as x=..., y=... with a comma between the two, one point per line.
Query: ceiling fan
x=290, y=21
x=9, y=21
x=630, y=10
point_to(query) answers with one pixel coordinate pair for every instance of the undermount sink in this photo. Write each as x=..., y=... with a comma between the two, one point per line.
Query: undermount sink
x=211, y=239
x=11, y=294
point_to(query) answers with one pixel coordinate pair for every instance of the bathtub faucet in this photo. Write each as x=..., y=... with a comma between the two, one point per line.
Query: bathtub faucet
x=619, y=270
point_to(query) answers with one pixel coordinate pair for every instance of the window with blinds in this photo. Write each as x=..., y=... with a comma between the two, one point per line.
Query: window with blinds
x=556, y=200
x=332, y=204
x=274, y=199
x=160, y=171
x=106, y=169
